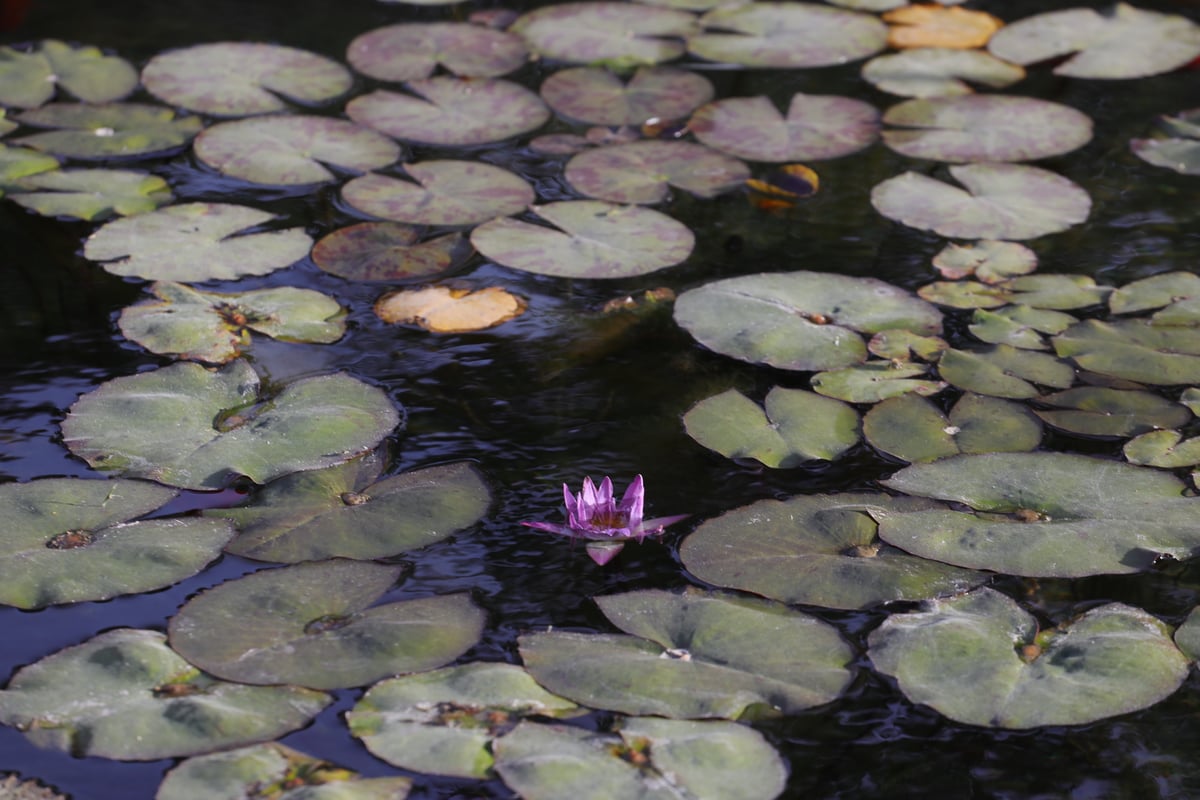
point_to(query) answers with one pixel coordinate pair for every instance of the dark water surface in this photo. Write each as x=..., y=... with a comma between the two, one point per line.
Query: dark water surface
x=562, y=392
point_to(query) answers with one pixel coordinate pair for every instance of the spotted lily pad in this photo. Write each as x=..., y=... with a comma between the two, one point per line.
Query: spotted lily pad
x=124, y=694
x=786, y=34
x=313, y=624
x=1167, y=449
x=387, y=251
x=600, y=97
x=442, y=309
x=980, y=659
x=233, y=79
x=187, y=426
x=413, y=51
x=938, y=72
x=115, y=130
x=999, y=201
x=1103, y=411
x=618, y=33
x=641, y=172
x=441, y=193
x=91, y=193
x=291, y=149
x=214, y=327
x=1019, y=326
x=195, y=242
x=67, y=540
x=350, y=511
x=818, y=550
x=30, y=79
x=1004, y=371
x=693, y=655
x=1134, y=350
x=816, y=127
x=988, y=260
x=912, y=428
x=873, y=381
x=593, y=239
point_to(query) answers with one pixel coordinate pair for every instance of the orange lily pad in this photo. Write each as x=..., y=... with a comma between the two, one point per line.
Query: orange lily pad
x=441, y=309
x=934, y=25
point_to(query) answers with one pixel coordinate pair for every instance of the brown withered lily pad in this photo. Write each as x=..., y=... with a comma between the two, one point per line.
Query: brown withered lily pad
x=413, y=51
x=816, y=127
x=441, y=193
x=441, y=309
x=600, y=97
x=386, y=251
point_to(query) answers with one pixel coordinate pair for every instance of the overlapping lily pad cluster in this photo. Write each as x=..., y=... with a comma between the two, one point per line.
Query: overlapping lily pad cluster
x=248, y=660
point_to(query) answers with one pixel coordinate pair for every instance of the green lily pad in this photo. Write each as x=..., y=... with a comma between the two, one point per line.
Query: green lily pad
x=414, y=50
x=1181, y=155
x=818, y=550
x=292, y=149
x=1004, y=371
x=447, y=111
x=1102, y=411
x=905, y=345
x=965, y=294
x=1059, y=292
x=693, y=655
x=593, y=239
x=20, y=162
x=68, y=540
x=787, y=35
x=617, y=33
x=187, y=426
x=115, y=130
x=1019, y=326
x=600, y=97
x=1044, y=514
x=445, y=722
x=387, y=251
x=310, y=625
x=873, y=381
x=1134, y=350
x=441, y=193
x=1000, y=201
x=938, y=72
x=799, y=320
x=124, y=694
x=30, y=79
x=91, y=193
x=1119, y=42
x=195, y=242
x=988, y=260
x=1175, y=293
x=1187, y=635
x=816, y=127
x=213, y=327
x=911, y=428
x=985, y=127
x=1166, y=449
x=650, y=759
x=642, y=172
x=797, y=426
x=349, y=511
x=288, y=774
x=234, y=79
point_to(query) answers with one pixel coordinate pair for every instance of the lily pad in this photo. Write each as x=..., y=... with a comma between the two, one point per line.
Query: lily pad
x=414, y=50
x=912, y=428
x=195, y=242
x=1000, y=201
x=1134, y=350
x=599, y=96
x=445, y=722
x=1061, y=292
x=234, y=79
x=387, y=251
x=965, y=294
x=441, y=309
x=1019, y=326
x=593, y=240
x=934, y=25
x=693, y=655
x=905, y=345
x=617, y=33
x=1175, y=293
x=91, y=193
x=1102, y=411
x=30, y=79
x=350, y=511
x=988, y=260
x=816, y=127
x=796, y=426
x=818, y=550
x=446, y=111
x=115, y=130
x=311, y=625
x=292, y=149
x=1119, y=42
x=938, y=72
x=1166, y=449
x=873, y=381
x=441, y=193
x=787, y=35
x=1176, y=145
x=1004, y=371
x=124, y=694
x=20, y=162
x=642, y=172
x=213, y=327
x=187, y=426
x=958, y=656
x=68, y=540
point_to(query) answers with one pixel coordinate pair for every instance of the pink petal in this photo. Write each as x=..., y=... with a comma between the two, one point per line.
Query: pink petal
x=605, y=496
x=604, y=552
x=633, y=502
x=561, y=530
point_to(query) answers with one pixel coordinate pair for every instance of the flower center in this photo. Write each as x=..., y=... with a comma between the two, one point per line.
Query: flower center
x=609, y=518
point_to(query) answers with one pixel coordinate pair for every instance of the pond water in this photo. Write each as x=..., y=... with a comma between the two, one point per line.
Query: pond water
x=565, y=391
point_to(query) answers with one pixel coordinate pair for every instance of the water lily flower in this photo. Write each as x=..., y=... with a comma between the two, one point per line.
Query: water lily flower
x=607, y=525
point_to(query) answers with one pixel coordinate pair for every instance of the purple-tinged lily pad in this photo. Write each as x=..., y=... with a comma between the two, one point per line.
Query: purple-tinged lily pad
x=985, y=127
x=600, y=97
x=873, y=381
x=1019, y=325
x=788, y=35
x=413, y=51
x=816, y=127
x=290, y=149
x=1004, y=371
x=642, y=172
x=91, y=193
x=195, y=242
x=1134, y=349
x=386, y=251
x=618, y=33
x=441, y=193
x=30, y=79
x=448, y=111
x=911, y=428
x=1103, y=411
x=592, y=240
x=115, y=130
x=938, y=72
x=125, y=694
x=1119, y=42
x=233, y=79
x=1000, y=201
x=988, y=260
x=314, y=625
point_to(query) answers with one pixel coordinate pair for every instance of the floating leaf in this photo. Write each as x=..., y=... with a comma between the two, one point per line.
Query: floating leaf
x=187, y=426
x=233, y=79
x=1004, y=371
x=30, y=79
x=618, y=33
x=124, y=694
x=1176, y=293
x=816, y=127
x=988, y=260
x=1101, y=411
x=905, y=345
x=116, y=130
x=1166, y=449
x=641, y=172
x=965, y=294
x=1019, y=326
x=1134, y=350
x=913, y=429
x=91, y=193
x=414, y=50
x=599, y=97
x=20, y=162
x=195, y=242
x=786, y=34
x=444, y=193
x=1187, y=635
x=386, y=251
x=441, y=309
x=873, y=381
x=932, y=25
x=938, y=72
x=593, y=240
x=1062, y=292
x=310, y=624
